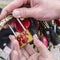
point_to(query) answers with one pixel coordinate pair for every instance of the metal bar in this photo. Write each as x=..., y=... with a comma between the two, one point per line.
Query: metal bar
x=12, y=31
x=21, y=23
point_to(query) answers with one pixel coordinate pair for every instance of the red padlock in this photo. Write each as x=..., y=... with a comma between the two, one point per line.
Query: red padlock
x=44, y=39
x=57, y=22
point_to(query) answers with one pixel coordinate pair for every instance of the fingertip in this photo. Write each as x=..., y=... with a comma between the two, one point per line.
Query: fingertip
x=38, y=43
x=35, y=36
x=15, y=43
x=36, y=40
x=11, y=37
x=22, y=12
x=16, y=13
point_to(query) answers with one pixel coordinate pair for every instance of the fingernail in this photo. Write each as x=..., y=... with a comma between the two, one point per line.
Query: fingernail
x=36, y=36
x=10, y=36
x=16, y=14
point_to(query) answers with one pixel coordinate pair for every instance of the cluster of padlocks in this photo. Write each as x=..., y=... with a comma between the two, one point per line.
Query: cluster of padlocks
x=47, y=31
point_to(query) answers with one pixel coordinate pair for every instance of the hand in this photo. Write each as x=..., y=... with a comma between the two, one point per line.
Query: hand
x=28, y=53
x=39, y=9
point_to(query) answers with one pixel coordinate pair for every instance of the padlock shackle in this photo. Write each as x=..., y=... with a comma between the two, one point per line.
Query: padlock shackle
x=12, y=30
x=21, y=24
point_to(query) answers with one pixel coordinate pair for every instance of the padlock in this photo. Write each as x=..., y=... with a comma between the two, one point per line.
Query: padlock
x=24, y=37
x=44, y=39
x=48, y=31
x=57, y=22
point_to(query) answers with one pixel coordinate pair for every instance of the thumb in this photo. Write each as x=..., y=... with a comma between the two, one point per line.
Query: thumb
x=42, y=48
x=25, y=12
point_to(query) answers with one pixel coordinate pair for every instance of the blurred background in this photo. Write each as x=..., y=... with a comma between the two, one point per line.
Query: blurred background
x=3, y=3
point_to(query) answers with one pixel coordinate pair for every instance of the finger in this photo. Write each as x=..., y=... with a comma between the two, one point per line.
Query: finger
x=15, y=4
x=14, y=55
x=29, y=49
x=34, y=57
x=25, y=53
x=23, y=58
x=15, y=42
x=26, y=12
x=42, y=48
x=8, y=58
x=15, y=45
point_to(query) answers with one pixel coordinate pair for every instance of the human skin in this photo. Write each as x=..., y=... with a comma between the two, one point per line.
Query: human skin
x=28, y=52
x=39, y=9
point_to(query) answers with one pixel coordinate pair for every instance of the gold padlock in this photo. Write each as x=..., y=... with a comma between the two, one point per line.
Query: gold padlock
x=24, y=37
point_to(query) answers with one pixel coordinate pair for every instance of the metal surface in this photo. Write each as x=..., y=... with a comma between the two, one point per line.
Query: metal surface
x=4, y=21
